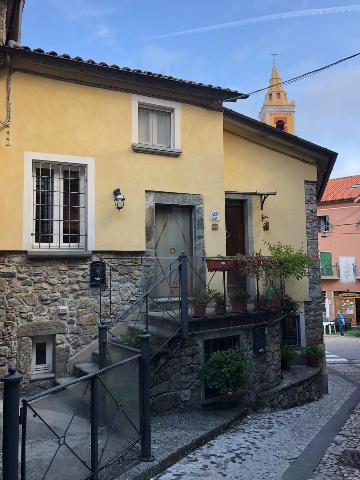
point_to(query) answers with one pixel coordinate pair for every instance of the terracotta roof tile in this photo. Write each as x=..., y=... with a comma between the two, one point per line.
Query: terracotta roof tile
x=233, y=93
x=340, y=189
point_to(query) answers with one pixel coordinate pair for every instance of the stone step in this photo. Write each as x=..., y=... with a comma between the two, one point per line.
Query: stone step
x=84, y=368
x=64, y=380
x=139, y=328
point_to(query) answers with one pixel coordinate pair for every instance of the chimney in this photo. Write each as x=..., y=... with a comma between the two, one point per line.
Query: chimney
x=10, y=20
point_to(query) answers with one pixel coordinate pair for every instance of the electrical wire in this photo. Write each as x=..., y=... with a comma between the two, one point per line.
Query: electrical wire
x=307, y=74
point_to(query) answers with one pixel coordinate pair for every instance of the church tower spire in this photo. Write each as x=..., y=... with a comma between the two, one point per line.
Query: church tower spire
x=277, y=111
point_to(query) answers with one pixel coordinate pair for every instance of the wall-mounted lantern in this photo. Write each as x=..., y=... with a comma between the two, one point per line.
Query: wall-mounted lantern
x=119, y=199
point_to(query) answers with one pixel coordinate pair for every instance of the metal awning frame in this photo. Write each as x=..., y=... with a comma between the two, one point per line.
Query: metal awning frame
x=263, y=195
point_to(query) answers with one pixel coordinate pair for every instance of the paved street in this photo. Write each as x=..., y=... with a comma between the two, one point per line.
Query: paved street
x=265, y=444
x=344, y=347
x=277, y=445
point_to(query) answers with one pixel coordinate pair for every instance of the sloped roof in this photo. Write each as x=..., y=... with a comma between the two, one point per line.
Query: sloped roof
x=38, y=54
x=340, y=189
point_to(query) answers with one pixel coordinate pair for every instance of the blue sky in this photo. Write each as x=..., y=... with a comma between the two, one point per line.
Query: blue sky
x=135, y=33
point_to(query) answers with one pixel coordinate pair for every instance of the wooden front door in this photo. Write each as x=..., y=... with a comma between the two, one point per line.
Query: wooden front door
x=173, y=235
x=235, y=239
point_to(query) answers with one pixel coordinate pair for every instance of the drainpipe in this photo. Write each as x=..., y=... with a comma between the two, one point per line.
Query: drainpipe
x=6, y=62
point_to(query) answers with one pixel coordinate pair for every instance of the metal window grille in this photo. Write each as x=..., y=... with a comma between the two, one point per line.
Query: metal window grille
x=59, y=206
x=219, y=344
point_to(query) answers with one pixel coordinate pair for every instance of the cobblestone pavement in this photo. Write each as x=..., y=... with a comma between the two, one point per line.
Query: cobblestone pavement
x=331, y=466
x=264, y=444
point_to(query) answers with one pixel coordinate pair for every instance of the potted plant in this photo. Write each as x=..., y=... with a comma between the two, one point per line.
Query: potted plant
x=239, y=301
x=314, y=355
x=200, y=299
x=287, y=354
x=290, y=307
x=220, y=307
x=228, y=371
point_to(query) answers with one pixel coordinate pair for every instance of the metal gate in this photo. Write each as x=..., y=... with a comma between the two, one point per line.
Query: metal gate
x=85, y=429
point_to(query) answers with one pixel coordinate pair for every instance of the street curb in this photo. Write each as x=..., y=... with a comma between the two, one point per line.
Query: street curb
x=303, y=467
x=197, y=442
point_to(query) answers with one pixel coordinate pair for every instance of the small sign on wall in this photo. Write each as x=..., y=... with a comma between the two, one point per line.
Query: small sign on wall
x=214, y=216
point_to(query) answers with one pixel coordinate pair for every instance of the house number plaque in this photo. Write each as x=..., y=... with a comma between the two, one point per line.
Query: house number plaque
x=214, y=216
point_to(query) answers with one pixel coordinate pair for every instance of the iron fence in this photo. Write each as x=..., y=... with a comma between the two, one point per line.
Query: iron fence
x=81, y=430
x=90, y=428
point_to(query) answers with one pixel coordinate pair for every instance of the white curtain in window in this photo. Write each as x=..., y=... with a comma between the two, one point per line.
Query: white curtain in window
x=164, y=128
x=144, y=125
x=346, y=267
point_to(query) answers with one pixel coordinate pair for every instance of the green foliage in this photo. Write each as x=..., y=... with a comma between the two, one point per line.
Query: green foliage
x=229, y=370
x=287, y=261
x=315, y=351
x=239, y=295
x=288, y=353
x=218, y=297
x=290, y=306
x=200, y=296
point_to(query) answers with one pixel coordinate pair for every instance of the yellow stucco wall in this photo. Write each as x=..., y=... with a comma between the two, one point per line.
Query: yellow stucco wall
x=252, y=167
x=64, y=118
x=56, y=117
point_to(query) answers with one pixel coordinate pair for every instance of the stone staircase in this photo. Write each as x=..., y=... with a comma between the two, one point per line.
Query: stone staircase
x=163, y=323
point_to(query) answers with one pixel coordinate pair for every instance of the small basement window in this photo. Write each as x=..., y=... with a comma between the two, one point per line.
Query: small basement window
x=42, y=354
x=213, y=345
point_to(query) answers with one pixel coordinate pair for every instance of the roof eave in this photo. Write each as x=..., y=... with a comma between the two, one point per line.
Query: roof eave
x=140, y=78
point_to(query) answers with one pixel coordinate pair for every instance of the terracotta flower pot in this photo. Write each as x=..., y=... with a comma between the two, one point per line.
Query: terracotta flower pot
x=199, y=310
x=285, y=365
x=314, y=361
x=220, y=309
x=239, y=306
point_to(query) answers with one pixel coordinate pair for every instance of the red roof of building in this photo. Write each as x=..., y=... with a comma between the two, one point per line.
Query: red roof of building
x=340, y=189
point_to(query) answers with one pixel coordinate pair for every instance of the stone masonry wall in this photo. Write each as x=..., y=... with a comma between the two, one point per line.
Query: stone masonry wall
x=313, y=308
x=294, y=394
x=176, y=378
x=31, y=291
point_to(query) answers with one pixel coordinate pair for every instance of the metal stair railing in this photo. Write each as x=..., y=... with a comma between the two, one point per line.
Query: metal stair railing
x=179, y=266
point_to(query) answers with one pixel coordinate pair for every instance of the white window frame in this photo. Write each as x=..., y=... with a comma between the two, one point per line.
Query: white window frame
x=89, y=163
x=48, y=366
x=153, y=124
x=162, y=105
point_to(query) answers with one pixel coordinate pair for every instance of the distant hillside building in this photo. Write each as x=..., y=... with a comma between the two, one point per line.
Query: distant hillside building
x=277, y=111
x=339, y=245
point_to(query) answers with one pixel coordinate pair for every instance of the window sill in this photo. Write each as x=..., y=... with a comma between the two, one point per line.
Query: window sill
x=42, y=253
x=153, y=149
x=41, y=376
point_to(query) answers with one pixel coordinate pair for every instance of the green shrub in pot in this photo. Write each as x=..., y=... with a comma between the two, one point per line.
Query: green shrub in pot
x=288, y=353
x=239, y=301
x=228, y=371
x=200, y=297
x=314, y=354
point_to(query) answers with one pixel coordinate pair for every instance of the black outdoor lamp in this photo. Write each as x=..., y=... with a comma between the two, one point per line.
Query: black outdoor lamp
x=119, y=199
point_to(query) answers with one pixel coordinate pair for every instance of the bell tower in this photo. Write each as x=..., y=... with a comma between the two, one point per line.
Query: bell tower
x=277, y=111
